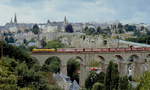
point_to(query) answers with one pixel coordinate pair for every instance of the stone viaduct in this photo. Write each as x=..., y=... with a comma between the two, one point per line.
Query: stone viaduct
x=131, y=62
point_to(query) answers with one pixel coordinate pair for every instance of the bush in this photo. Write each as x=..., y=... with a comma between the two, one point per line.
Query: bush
x=98, y=86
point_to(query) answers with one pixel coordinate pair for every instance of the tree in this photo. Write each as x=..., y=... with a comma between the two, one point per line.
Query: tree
x=7, y=39
x=69, y=28
x=112, y=77
x=8, y=80
x=99, y=30
x=52, y=64
x=54, y=44
x=94, y=78
x=36, y=29
x=23, y=72
x=144, y=82
x=17, y=53
x=25, y=41
x=90, y=31
x=123, y=83
x=120, y=26
x=72, y=67
x=85, y=29
x=43, y=43
x=10, y=39
x=101, y=77
x=98, y=86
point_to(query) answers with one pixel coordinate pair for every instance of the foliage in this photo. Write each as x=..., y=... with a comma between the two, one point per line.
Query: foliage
x=140, y=39
x=43, y=43
x=124, y=84
x=93, y=78
x=8, y=80
x=72, y=67
x=31, y=47
x=94, y=63
x=54, y=44
x=145, y=82
x=52, y=64
x=112, y=77
x=10, y=40
x=109, y=81
x=98, y=86
x=129, y=27
x=23, y=72
x=97, y=31
x=25, y=41
x=17, y=53
x=69, y=28
x=90, y=31
x=36, y=29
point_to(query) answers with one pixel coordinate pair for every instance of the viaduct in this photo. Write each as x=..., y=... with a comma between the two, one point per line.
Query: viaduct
x=129, y=62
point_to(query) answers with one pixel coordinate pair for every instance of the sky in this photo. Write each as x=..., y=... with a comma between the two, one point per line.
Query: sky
x=39, y=11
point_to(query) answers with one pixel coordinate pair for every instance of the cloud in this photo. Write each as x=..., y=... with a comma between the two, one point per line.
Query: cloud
x=76, y=10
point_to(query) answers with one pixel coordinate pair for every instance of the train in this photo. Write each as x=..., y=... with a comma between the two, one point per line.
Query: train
x=82, y=50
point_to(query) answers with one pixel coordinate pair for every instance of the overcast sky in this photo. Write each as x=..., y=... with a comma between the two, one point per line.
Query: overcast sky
x=126, y=11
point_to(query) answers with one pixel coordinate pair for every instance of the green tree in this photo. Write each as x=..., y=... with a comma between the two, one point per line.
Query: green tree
x=8, y=80
x=85, y=29
x=25, y=41
x=43, y=42
x=7, y=39
x=69, y=28
x=112, y=77
x=54, y=44
x=52, y=64
x=94, y=78
x=123, y=83
x=145, y=82
x=99, y=30
x=36, y=29
x=90, y=31
x=98, y=86
x=10, y=39
x=72, y=67
x=23, y=72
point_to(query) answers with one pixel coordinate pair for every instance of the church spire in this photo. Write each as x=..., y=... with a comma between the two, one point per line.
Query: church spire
x=65, y=20
x=15, y=19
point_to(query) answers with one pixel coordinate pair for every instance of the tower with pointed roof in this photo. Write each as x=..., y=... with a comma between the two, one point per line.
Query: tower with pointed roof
x=15, y=19
x=65, y=20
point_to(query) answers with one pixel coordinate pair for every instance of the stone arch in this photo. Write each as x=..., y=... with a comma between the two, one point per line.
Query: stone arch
x=133, y=67
x=35, y=60
x=79, y=72
x=147, y=59
x=119, y=58
x=102, y=61
x=121, y=65
x=133, y=58
x=49, y=59
x=146, y=64
x=148, y=55
x=53, y=60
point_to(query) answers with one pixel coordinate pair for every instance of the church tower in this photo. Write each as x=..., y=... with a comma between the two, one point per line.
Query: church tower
x=65, y=21
x=15, y=19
